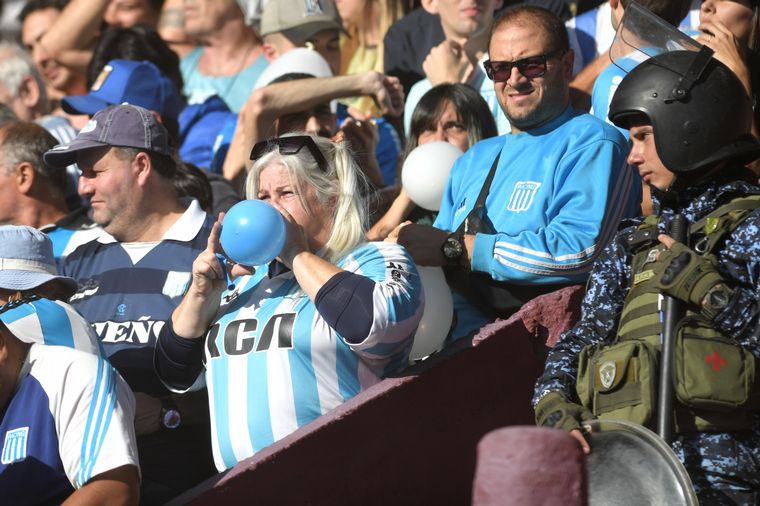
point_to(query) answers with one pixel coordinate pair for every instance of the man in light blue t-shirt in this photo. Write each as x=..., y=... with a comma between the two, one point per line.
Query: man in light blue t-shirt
x=228, y=59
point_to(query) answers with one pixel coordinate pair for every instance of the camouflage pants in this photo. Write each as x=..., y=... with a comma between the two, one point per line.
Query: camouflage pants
x=724, y=467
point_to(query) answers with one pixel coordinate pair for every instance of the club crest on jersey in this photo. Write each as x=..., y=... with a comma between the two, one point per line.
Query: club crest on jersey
x=85, y=290
x=14, y=446
x=461, y=207
x=522, y=196
x=176, y=283
x=229, y=297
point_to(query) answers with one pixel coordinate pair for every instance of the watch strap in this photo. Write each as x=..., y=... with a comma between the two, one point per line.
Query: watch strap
x=709, y=308
x=455, y=238
x=171, y=418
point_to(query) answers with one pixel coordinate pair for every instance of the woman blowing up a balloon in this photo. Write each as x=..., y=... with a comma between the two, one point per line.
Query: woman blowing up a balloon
x=300, y=334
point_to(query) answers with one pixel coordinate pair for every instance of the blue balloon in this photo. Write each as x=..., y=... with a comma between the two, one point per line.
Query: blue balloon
x=253, y=233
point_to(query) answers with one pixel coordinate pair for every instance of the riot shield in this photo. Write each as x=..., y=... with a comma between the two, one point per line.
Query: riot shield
x=629, y=465
x=641, y=35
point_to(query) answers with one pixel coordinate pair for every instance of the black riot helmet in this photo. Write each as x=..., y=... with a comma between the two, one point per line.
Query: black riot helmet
x=699, y=110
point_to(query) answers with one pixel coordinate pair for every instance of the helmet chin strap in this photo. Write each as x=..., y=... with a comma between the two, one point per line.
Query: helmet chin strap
x=693, y=178
x=671, y=197
x=693, y=73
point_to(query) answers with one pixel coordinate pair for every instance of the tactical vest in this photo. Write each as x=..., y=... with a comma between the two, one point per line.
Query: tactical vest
x=714, y=376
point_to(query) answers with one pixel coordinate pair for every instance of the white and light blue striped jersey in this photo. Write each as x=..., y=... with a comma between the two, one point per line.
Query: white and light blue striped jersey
x=69, y=420
x=51, y=322
x=591, y=32
x=273, y=364
x=72, y=231
x=556, y=199
x=590, y=35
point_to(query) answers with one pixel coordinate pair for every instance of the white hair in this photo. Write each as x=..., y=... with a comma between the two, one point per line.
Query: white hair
x=342, y=186
x=15, y=65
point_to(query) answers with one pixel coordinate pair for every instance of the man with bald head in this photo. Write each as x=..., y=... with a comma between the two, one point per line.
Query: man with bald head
x=527, y=212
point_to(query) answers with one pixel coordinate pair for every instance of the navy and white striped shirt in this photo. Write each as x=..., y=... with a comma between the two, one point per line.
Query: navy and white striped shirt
x=127, y=291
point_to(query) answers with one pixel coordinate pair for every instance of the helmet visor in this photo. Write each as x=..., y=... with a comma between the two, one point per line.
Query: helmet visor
x=642, y=35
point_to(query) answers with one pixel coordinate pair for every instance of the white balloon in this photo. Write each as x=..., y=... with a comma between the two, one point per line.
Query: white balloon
x=426, y=171
x=437, y=316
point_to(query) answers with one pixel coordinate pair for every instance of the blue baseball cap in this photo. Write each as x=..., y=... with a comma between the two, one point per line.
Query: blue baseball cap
x=128, y=82
x=126, y=126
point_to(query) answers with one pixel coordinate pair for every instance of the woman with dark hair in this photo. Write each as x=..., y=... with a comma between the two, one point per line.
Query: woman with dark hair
x=454, y=113
x=137, y=43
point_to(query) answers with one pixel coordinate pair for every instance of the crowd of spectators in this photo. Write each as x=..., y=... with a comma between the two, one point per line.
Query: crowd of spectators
x=127, y=127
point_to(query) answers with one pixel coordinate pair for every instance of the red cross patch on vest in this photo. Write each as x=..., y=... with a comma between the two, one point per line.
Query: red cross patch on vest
x=716, y=361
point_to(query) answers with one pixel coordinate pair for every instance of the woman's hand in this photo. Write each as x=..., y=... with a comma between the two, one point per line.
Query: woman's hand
x=201, y=302
x=311, y=271
x=295, y=238
x=728, y=50
x=209, y=277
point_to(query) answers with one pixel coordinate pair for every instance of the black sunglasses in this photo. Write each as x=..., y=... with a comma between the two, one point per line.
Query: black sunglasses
x=290, y=145
x=531, y=67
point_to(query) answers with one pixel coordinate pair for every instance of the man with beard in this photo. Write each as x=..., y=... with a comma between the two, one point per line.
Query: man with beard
x=528, y=212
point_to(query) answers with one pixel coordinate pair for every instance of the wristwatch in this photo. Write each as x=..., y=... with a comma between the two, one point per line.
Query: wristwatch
x=452, y=248
x=170, y=415
x=716, y=299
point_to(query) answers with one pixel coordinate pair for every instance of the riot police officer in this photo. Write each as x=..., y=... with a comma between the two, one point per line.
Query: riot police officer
x=689, y=120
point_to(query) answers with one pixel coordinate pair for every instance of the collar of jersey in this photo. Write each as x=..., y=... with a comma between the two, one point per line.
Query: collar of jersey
x=276, y=268
x=184, y=229
x=558, y=121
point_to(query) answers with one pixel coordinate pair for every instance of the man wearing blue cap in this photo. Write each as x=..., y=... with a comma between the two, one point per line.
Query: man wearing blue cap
x=132, y=82
x=130, y=283
x=138, y=83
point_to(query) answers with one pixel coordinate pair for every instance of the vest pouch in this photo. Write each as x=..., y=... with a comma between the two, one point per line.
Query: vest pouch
x=620, y=381
x=584, y=386
x=712, y=373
